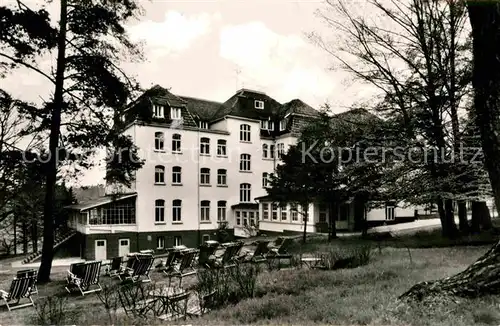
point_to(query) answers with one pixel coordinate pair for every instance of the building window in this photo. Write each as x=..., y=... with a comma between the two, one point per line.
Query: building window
x=283, y=125
x=283, y=213
x=322, y=213
x=264, y=150
x=159, y=174
x=177, y=241
x=176, y=210
x=177, y=175
x=275, y=211
x=281, y=150
x=389, y=213
x=245, y=133
x=244, y=215
x=175, y=113
x=271, y=151
x=221, y=211
x=205, y=238
x=252, y=218
x=176, y=143
x=159, y=141
x=160, y=242
x=245, y=162
x=294, y=213
x=265, y=180
x=205, y=210
x=245, y=192
x=158, y=111
x=259, y=104
x=265, y=211
x=203, y=125
x=159, y=211
x=221, y=147
x=205, y=176
x=205, y=146
x=238, y=217
x=266, y=125
x=221, y=177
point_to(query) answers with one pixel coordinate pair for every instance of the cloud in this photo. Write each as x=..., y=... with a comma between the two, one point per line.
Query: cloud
x=279, y=64
x=175, y=33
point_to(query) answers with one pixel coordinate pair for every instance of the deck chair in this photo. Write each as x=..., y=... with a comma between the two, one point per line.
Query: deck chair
x=206, y=303
x=84, y=275
x=205, y=256
x=116, y=268
x=169, y=261
x=259, y=255
x=20, y=288
x=135, y=301
x=184, y=268
x=141, y=266
x=29, y=273
x=281, y=251
x=228, y=257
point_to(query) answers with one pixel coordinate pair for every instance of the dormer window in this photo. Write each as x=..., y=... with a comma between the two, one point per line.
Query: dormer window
x=158, y=111
x=175, y=113
x=282, y=124
x=266, y=125
x=259, y=104
x=203, y=125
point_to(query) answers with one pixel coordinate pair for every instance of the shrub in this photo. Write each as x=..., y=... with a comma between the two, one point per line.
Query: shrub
x=347, y=258
x=52, y=311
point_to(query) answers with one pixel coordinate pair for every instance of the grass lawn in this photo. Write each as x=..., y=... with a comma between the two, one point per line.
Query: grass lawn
x=361, y=296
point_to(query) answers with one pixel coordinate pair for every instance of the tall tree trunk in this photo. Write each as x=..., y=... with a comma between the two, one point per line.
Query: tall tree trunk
x=442, y=216
x=484, y=17
x=34, y=234
x=25, y=238
x=305, y=208
x=332, y=234
x=480, y=278
x=485, y=216
x=55, y=128
x=476, y=217
x=451, y=226
x=462, y=217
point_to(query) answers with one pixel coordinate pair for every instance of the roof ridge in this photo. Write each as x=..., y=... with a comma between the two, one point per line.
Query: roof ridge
x=200, y=99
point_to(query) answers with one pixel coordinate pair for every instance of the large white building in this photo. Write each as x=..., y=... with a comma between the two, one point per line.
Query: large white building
x=205, y=163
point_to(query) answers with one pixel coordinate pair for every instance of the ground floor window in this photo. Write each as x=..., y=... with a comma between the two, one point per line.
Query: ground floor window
x=246, y=217
x=389, y=213
x=177, y=241
x=160, y=242
x=265, y=211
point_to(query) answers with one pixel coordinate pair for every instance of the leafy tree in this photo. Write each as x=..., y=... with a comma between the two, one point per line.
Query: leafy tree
x=89, y=88
x=417, y=58
x=294, y=183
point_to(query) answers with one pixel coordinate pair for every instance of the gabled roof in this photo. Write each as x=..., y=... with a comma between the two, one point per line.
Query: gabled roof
x=162, y=96
x=298, y=107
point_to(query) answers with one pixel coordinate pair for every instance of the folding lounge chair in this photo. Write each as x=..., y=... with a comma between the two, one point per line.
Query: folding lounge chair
x=84, y=275
x=140, y=267
x=227, y=259
x=185, y=267
x=282, y=250
x=19, y=288
x=29, y=273
x=169, y=261
x=259, y=255
x=206, y=256
x=116, y=268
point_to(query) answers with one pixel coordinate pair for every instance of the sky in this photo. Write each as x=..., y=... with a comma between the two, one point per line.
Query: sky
x=210, y=49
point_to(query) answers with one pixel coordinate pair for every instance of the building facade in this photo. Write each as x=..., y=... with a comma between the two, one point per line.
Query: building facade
x=205, y=163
